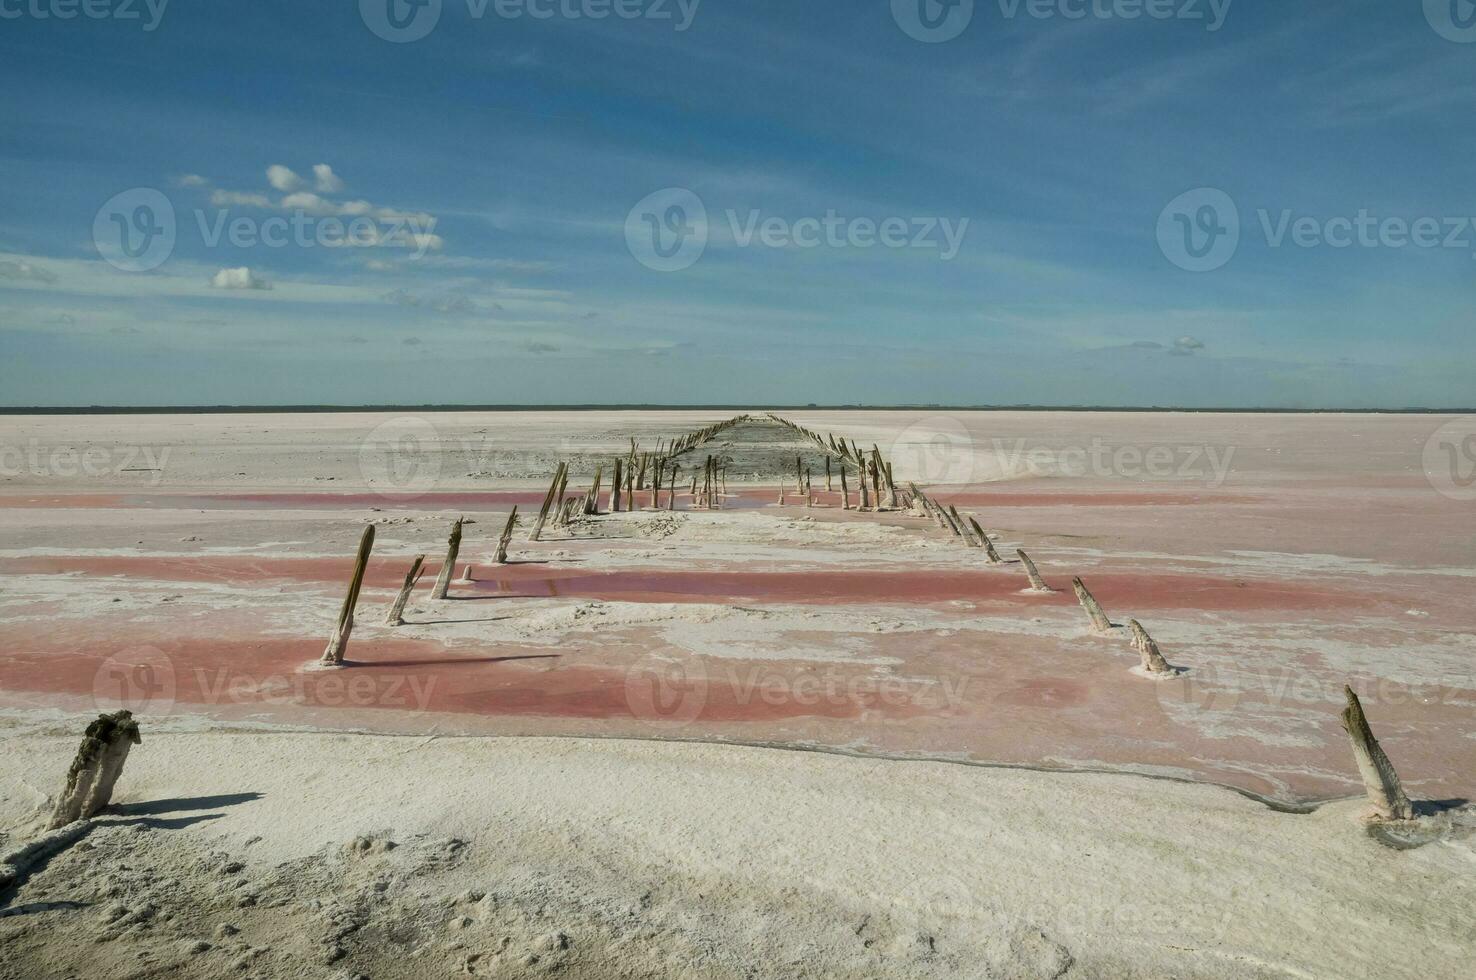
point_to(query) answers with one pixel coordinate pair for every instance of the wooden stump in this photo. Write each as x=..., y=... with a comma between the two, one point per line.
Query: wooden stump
x=338, y=642
x=985, y=543
x=453, y=548
x=396, y=615
x=1385, y=791
x=506, y=539
x=1153, y=661
x=96, y=768
x=1099, y=619
x=1031, y=572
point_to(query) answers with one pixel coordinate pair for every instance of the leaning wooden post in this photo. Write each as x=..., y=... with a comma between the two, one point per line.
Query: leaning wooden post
x=506, y=539
x=1385, y=791
x=1093, y=608
x=453, y=546
x=396, y=616
x=1153, y=661
x=548, y=501
x=96, y=768
x=828, y=487
x=338, y=643
x=959, y=527
x=1031, y=572
x=989, y=551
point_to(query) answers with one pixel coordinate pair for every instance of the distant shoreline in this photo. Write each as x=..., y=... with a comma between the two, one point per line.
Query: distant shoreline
x=323, y=409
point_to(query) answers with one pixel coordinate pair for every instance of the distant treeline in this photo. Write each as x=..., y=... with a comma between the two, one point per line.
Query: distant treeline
x=263, y=409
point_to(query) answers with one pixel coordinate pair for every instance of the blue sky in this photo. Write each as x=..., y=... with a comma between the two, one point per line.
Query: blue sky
x=497, y=160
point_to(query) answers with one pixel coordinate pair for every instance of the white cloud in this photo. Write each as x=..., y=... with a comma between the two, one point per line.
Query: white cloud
x=190, y=180
x=283, y=178
x=23, y=270
x=241, y=278
x=226, y=199
x=1185, y=346
x=326, y=180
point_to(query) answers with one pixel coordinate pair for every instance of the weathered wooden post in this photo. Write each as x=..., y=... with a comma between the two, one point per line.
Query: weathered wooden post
x=1031, y=572
x=453, y=547
x=338, y=643
x=615, y=488
x=828, y=487
x=845, y=491
x=554, y=489
x=1100, y=622
x=1385, y=791
x=1153, y=661
x=96, y=768
x=396, y=616
x=506, y=539
x=989, y=551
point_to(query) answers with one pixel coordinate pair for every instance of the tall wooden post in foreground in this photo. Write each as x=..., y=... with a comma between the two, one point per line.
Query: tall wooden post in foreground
x=338, y=643
x=453, y=548
x=96, y=768
x=396, y=615
x=1385, y=791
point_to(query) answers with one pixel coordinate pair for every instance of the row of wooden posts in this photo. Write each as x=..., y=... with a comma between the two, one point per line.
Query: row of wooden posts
x=106, y=742
x=1380, y=780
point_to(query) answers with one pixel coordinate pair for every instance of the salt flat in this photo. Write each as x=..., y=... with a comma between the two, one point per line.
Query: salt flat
x=1275, y=558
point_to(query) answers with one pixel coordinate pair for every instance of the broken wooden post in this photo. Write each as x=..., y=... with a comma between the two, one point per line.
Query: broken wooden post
x=615, y=488
x=1099, y=619
x=592, y=500
x=957, y=522
x=845, y=491
x=96, y=768
x=989, y=551
x=1385, y=791
x=656, y=484
x=828, y=488
x=554, y=489
x=453, y=546
x=338, y=642
x=671, y=490
x=1031, y=572
x=1153, y=661
x=506, y=539
x=396, y=615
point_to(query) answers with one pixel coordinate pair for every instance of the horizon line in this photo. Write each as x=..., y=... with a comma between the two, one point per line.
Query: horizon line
x=731, y=406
